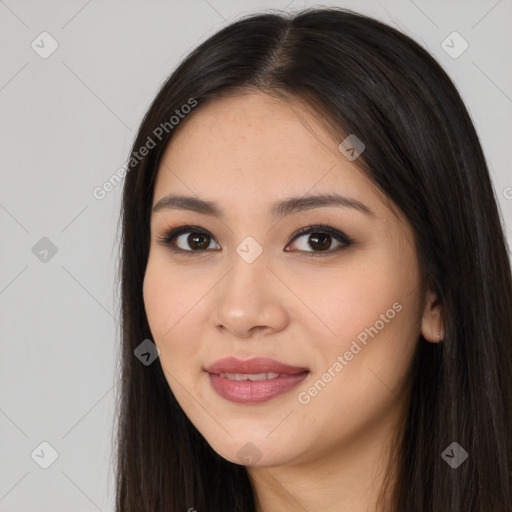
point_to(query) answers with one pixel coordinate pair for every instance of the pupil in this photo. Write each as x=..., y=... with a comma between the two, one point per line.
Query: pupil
x=321, y=240
x=195, y=238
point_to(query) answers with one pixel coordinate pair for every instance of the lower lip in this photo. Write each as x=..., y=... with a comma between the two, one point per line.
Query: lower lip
x=252, y=392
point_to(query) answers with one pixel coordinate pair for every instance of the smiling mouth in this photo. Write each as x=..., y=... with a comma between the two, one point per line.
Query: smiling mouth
x=255, y=380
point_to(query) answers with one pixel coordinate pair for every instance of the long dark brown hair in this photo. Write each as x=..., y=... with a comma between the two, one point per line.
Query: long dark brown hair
x=366, y=78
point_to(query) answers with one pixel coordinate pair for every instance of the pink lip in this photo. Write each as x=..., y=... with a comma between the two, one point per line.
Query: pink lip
x=247, y=391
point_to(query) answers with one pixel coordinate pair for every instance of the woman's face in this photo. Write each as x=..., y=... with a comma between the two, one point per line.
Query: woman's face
x=344, y=315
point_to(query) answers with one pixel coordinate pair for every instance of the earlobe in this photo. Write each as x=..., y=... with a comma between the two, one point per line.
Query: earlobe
x=432, y=322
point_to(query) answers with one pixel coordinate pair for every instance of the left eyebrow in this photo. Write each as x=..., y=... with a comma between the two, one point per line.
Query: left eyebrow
x=278, y=210
x=298, y=204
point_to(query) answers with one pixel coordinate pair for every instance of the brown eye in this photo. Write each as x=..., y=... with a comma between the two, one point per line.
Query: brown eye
x=187, y=239
x=321, y=239
x=196, y=241
x=193, y=241
x=317, y=242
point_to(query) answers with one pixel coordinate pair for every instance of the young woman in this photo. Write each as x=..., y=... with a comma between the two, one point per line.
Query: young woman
x=316, y=290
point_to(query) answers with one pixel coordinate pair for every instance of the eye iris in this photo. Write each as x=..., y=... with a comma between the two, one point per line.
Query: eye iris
x=320, y=240
x=195, y=238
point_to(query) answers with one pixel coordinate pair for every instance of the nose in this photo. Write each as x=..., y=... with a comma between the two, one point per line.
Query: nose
x=249, y=300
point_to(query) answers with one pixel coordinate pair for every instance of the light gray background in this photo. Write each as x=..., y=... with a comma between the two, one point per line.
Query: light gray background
x=66, y=125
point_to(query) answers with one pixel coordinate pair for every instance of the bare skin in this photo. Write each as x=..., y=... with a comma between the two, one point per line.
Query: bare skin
x=324, y=450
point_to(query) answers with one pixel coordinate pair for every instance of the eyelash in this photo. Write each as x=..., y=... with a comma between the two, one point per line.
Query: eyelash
x=167, y=236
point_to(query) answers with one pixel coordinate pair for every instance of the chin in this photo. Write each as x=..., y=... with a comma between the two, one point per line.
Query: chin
x=253, y=452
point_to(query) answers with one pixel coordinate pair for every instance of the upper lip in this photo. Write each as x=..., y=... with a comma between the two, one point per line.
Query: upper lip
x=254, y=365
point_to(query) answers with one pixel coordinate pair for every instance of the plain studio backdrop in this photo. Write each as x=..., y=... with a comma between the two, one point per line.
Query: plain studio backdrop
x=76, y=78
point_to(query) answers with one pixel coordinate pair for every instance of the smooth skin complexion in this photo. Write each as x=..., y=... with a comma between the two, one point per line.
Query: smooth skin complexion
x=295, y=303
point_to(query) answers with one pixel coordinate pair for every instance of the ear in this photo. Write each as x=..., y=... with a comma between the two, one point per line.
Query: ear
x=432, y=322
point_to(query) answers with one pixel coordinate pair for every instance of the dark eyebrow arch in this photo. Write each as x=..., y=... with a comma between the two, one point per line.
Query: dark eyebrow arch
x=278, y=210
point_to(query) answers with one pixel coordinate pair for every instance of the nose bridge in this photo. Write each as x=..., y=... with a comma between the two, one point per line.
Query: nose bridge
x=249, y=271
x=246, y=297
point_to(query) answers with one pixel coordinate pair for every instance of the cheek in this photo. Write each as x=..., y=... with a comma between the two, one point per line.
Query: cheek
x=361, y=369
x=369, y=311
x=169, y=302
x=345, y=300
x=159, y=300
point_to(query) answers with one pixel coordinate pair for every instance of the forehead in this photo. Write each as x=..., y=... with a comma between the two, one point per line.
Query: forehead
x=251, y=147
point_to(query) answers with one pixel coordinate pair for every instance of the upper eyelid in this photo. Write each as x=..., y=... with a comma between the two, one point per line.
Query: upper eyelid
x=181, y=230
